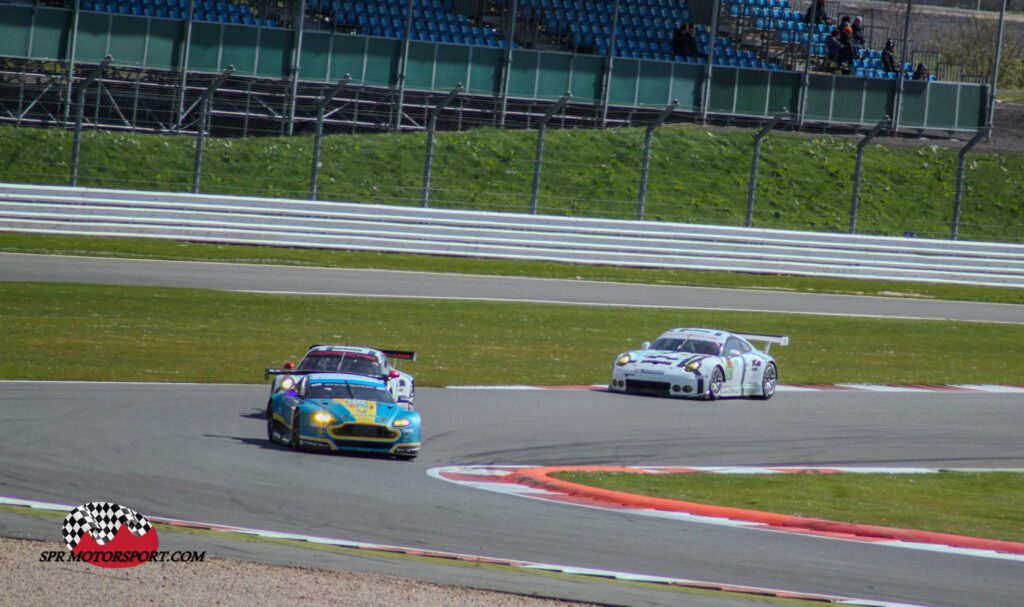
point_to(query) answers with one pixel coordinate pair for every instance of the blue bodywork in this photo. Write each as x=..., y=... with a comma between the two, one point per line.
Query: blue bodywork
x=342, y=412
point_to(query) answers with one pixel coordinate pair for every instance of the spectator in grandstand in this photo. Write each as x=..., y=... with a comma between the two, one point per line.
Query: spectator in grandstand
x=848, y=52
x=686, y=46
x=889, y=58
x=679, y=40
x=833, y=45
x=858, y=31
x=819, y=16
x=921, y=73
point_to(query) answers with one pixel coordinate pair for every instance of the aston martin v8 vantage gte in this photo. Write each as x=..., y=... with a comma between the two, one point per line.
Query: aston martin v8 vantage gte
x=699, y=363
x=341, y=412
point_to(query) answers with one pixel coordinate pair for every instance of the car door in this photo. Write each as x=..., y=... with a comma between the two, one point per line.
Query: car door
x=735, y=365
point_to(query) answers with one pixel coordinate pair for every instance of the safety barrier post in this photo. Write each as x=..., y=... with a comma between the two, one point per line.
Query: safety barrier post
x=554, y=109
x=857, y=172
x=318, y=135
x=981, y=134
x=754, y=164
x=204, y=123
x=431, y=126
x=76, y=143
x=642, y=199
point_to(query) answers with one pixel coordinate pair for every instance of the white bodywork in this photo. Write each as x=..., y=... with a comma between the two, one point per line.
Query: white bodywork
x=699, y=363
x=360, y=361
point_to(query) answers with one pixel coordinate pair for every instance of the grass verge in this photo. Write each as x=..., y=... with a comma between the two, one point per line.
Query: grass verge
x=976, y=504
x=696, y=175
x=100, y=332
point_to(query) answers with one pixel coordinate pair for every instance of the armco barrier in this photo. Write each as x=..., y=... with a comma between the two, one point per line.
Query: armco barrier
x=353, y=226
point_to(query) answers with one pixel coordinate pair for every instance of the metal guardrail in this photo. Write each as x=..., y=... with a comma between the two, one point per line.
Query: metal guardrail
x=354, y=226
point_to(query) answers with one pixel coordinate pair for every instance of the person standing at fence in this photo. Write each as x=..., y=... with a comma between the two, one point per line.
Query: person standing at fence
x=889, y=58
x=921, y=73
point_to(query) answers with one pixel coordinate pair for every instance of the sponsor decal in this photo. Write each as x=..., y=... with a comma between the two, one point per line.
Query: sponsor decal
x=110, y=535
x=365, y=411
x=729, y=368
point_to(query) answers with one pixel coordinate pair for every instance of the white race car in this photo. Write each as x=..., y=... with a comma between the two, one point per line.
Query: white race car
x=699, y=363
x=356, y=360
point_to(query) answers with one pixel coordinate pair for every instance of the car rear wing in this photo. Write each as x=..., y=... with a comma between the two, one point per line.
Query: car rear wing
x=275, y=371
x=403, y=354
x=768, y=340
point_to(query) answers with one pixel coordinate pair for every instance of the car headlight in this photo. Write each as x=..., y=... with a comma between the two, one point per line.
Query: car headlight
x=286, y=384
x=401, y=422
x=625, y=359
x=322, y=417
x=692, y=366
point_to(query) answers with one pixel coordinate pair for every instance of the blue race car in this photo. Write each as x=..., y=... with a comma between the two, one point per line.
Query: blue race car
x=341, y=412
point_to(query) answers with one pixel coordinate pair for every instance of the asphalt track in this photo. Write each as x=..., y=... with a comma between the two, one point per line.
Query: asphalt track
x=199, y=452
x=378, y=283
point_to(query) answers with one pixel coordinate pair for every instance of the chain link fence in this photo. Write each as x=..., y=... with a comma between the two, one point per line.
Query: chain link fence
x=145, y=131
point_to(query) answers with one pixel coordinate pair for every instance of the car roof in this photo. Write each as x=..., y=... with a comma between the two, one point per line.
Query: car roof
x=709, y=334
x=345, y=349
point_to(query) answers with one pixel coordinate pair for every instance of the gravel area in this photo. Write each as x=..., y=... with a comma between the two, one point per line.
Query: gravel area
x=224, y=582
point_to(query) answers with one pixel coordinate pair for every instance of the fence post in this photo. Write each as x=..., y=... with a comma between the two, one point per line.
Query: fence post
x=403, y=66
x=431, y=126
x=981, y=134
x=204, y=119
x=897, y=108
x=299, y=19
x=857, y=171
x=705, y=101
x=642, y=199
x=754, y=163
x=76, y=144
x=506, y=68
x=609, y=62
x=318, y=135
x=540, y=148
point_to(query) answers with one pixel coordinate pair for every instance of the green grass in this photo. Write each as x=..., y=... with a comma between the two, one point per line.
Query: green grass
x=160, y=249
x=697, y=175
x=977, y=504
x=97, y=332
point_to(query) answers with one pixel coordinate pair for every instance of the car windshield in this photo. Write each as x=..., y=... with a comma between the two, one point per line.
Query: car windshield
x=353, y=391
x=682, y=344
x=342, y=362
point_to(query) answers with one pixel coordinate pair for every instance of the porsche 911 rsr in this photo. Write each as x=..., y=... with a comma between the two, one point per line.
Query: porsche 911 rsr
x=699, y=363
x=341, y=412
x=369, y=362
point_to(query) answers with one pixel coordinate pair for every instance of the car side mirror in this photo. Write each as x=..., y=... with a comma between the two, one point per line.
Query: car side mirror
x=732, y=353
x=645, y=345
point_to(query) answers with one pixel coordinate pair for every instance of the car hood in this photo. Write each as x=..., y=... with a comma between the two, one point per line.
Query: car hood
x=663, y=358
x=359, y=411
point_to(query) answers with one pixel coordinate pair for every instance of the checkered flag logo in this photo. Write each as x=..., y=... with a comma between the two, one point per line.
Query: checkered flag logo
x=101, y=520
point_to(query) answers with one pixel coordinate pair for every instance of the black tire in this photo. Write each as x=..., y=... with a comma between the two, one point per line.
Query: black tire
x=293, y=434
x=768, y=382
x=715, y=384
x=270, y=422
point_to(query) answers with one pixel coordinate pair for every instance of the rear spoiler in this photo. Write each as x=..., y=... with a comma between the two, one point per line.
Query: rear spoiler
x=404, y=354
x=768, y=340
x=273, y=371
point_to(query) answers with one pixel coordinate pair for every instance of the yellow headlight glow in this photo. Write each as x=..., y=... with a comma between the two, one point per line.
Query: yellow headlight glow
x=625, y=359
x=693, y=366
x=287, y=384
x=401, y=422
x=321, y=417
